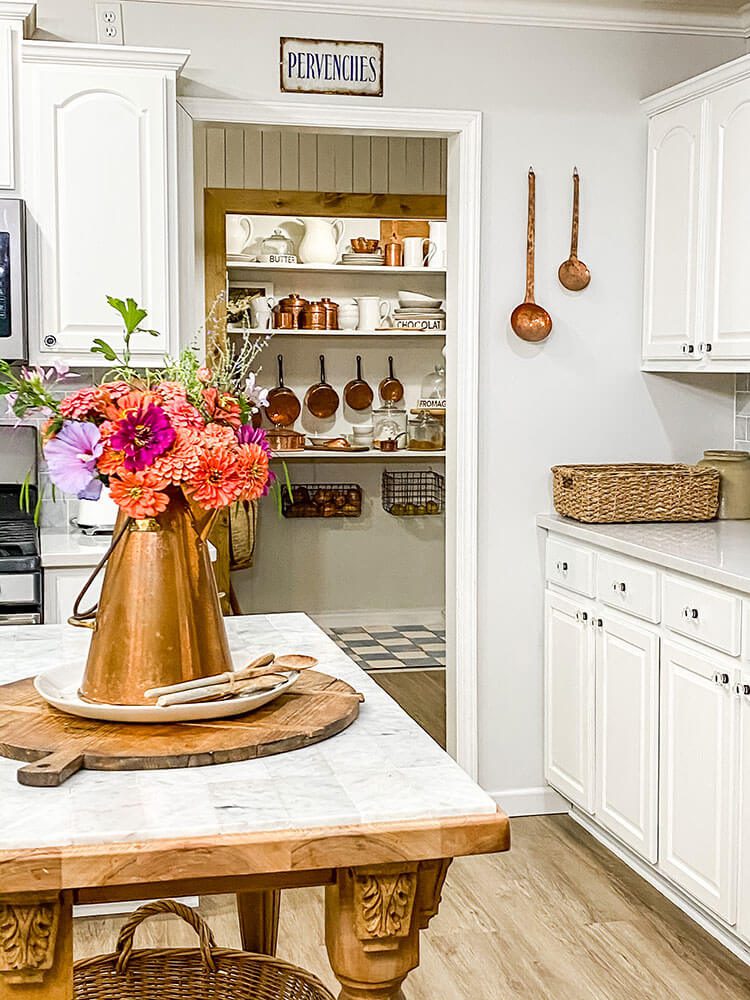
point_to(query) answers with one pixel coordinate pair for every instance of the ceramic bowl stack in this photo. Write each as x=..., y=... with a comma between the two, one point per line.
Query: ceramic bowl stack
x=374, y=259
x=418, y=312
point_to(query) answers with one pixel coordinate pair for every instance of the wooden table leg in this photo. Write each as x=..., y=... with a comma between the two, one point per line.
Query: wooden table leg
x=36, y=947
x=373, y=919
x=258, y=913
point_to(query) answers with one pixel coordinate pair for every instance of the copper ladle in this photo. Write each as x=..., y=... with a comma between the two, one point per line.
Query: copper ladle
x=529, y=321
x=573, y=273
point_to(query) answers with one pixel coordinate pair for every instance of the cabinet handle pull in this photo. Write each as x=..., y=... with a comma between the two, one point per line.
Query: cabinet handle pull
x=721, y=678
x=582, y=616
x=619, y=586
x=688, y=348
x=597, y=623
x=562, y=567
x=742, y=689
x=691, y=613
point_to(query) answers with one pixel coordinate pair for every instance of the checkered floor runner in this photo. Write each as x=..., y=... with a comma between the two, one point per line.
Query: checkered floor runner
x=392, y=647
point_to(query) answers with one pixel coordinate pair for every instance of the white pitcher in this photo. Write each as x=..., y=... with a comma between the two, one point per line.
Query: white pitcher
x=373, y=312
x=239, y=234
x=320, y=244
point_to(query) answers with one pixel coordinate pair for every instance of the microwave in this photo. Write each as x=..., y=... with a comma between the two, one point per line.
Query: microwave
x=14, y=343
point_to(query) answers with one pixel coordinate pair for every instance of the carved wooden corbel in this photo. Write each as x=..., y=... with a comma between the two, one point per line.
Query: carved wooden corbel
x=28, y=934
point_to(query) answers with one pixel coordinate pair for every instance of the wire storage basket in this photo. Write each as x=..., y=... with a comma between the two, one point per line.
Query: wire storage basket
x=614, y=494
x=203, y=973
x=413, y=494
x=322, y=500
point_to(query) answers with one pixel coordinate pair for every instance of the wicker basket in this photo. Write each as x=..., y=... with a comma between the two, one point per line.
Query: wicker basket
x=610, y=494
x=204, y=973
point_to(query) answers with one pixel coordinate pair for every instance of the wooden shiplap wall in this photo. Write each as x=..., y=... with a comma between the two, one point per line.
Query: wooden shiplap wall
x=240, y=156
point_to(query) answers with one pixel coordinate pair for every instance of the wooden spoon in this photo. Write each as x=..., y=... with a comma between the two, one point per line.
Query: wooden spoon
x=529, y=321
x=573, y=273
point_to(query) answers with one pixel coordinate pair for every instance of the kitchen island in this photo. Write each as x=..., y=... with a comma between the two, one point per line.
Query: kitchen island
x=376, y=811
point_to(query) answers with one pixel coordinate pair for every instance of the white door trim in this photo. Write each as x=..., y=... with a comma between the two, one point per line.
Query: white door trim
x=464, y=129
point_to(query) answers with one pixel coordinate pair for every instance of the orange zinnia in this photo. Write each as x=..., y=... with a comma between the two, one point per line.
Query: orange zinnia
x=139, y=494
x=180, y=462
x=217, y=482
x=252, y=461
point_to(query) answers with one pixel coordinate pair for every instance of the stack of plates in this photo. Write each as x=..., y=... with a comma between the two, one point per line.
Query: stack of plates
x=363, y=259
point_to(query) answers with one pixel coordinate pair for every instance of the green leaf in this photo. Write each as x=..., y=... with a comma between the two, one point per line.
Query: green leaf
x=102, y=347
x=132, y=314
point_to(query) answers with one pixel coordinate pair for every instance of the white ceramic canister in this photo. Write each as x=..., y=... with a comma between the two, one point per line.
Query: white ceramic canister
x=348, y=315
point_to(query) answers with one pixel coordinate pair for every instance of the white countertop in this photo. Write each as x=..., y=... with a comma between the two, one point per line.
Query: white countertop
x=70, y=547
x=383, y=768
x=718, y=551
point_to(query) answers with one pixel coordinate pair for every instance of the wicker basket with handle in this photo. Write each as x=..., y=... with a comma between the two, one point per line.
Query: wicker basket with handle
x=610, y=494
x=204, y=973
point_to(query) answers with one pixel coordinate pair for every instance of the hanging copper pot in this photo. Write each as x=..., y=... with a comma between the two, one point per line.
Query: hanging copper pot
x=159, y=620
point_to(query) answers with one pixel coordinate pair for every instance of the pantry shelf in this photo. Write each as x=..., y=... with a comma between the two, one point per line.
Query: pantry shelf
x=254, y=265
x=358, y=456
x=414, y=334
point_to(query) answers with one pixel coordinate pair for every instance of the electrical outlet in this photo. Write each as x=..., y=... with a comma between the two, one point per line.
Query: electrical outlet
x=109, y=23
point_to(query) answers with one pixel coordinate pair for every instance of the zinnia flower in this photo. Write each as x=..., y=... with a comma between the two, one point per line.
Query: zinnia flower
x=218, y=436
x=81, y=403
x=180, y=462
x=139, y=494
x=217, y=482
x=204, y=374
x=181, y=413
x=142, y=434
x=222, y=407
x=247, y=434
x=170, y=391
x=71, y=456
x=252, y=462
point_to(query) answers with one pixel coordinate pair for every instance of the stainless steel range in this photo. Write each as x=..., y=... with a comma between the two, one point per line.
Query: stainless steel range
x=20, y=562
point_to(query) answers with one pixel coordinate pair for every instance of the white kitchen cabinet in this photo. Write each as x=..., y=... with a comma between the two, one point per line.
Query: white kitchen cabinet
x=16, y=20
x=569, y=699
x=61, y=588
x=627, y=732
x=727, y=326
x=743, y=895
x=673, y=226
x=699, y=751
x=100, y=154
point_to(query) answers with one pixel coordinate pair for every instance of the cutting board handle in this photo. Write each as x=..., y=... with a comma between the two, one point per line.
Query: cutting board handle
x=52, y=770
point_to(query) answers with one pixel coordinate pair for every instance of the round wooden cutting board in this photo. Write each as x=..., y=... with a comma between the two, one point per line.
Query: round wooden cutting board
x=57, y=745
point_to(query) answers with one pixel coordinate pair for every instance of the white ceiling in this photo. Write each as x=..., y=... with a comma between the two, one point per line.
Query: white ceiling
x=716, y=17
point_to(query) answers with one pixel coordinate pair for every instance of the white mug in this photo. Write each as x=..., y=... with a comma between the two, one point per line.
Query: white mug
x=373, y=312
x=439, y=237
x=418, y=251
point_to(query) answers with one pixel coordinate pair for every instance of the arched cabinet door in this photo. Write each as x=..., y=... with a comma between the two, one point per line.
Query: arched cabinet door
x=727, y=325
x=673, y=238
x=101, y=169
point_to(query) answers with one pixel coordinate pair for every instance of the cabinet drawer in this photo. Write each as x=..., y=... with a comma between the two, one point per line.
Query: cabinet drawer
x=18, y=588
x=570, y=566
x=702, y=612
x=628, y=586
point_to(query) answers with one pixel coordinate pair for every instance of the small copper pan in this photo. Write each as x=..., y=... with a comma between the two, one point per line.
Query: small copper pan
x=357, y=393
x=283, y=406
x=321, y=399
x=390, y=389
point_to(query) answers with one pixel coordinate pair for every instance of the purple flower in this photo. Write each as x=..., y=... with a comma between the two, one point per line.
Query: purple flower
x=71, y=456
x=247, y=434
x=142, y=435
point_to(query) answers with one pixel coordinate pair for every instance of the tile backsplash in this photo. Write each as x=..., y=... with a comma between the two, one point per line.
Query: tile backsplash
x=742, y=412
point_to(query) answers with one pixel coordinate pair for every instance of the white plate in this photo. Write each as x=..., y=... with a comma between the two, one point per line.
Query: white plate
x=59, y=688
x=416, y=300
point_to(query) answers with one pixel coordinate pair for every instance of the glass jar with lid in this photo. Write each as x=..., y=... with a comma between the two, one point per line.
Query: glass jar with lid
x=426, y=430
x=278, y=244
x=389, y=426
x=433, y=384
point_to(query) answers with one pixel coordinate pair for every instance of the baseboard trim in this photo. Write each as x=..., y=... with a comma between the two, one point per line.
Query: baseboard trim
x=541, y=801
x=340, y=619
x=675, y=895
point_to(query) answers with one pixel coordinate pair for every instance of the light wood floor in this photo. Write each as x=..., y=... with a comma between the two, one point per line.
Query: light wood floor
x=421, y=694
x=557, y=918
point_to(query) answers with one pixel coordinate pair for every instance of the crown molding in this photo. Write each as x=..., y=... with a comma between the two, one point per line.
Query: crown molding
x=698, y=86
x=21, y=13
x=663, y=16
x=122, y=56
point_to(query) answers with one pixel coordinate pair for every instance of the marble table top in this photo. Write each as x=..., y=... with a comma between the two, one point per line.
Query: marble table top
x=383, y=769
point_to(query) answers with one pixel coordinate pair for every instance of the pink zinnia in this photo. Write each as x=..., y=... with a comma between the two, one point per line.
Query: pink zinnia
x=141, y=435
x=80, y=403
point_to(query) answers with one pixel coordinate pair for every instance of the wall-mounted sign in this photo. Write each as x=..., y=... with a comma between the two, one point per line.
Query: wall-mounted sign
x=320, y=66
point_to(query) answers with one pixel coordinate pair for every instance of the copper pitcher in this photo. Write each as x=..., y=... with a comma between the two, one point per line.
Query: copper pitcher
x=159, y=620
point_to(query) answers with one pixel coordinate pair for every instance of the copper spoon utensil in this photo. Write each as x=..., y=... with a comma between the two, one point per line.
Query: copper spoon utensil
x=529, y=321
x=573, y=273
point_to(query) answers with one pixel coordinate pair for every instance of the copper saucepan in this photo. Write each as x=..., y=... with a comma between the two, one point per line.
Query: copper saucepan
x=390, y=389
x=357, y=393
x=283, y=406
x=321, y=399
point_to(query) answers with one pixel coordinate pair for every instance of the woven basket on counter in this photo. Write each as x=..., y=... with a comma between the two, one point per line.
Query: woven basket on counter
x=204, y=973
x=610, y=494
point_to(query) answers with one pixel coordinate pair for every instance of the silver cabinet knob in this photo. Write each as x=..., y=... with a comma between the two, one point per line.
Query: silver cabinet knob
x=742, y=690
x=597, y=623
x=582, y=616
x=688, y=349
x=561, y=566
x=619, y=587
x=690, y=613
x=721, y=678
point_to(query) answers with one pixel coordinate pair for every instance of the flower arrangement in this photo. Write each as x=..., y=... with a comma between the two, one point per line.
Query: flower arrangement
x=186, y=426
